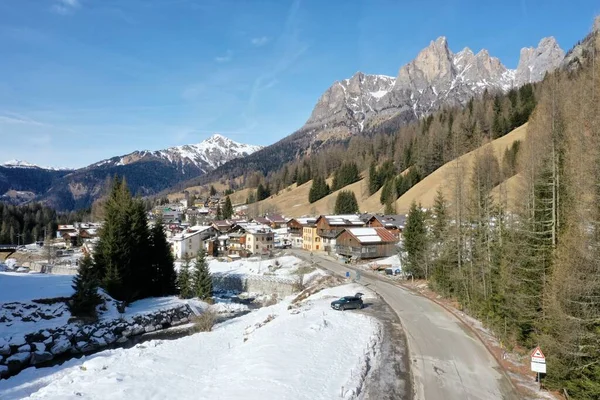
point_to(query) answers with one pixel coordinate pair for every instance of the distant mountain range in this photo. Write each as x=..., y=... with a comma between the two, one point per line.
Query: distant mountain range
x=437, y=77
x=147, y=172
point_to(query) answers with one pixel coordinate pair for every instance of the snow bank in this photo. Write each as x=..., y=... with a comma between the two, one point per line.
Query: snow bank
x=308, y=351
x=394, y=261
x=288, y=265
x=24, y=287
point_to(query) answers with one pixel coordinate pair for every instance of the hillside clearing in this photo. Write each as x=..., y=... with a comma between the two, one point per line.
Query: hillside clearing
x=424, y=192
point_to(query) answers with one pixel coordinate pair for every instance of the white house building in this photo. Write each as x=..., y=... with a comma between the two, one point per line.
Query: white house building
x=189, y=242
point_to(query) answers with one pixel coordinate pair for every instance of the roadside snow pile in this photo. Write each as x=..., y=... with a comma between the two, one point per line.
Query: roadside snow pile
x=302, y=351
x=394, y=261
x=344, y=290
x=25, y=287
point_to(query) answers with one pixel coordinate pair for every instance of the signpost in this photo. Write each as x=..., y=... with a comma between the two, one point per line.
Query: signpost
x=538, y=363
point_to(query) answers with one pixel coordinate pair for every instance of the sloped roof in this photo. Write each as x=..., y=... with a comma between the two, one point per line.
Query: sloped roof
x=391, y=221
x=275, y=218
x=343, y=220
x=372, y=235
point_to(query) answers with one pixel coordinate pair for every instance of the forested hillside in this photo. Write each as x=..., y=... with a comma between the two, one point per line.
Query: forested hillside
x=417, y=149
x=27, y=224
x=532, y=275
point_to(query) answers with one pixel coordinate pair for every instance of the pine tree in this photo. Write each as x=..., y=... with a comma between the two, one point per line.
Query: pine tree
x=374, y=182
x=121, y=255
x=219, y=213
x=318, y=190
x=415, y=242
x=85, y=284
x=184, y=279
x=164, y=280
x=202, y=286
x=228, y=208
x=346, y=203
x=212, y=191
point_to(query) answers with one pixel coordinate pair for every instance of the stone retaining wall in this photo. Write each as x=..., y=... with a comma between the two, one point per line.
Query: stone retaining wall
x=18, y=352
x=282, y=286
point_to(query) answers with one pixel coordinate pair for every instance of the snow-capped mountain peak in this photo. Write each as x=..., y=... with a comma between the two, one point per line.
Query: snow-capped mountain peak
x=24, y=164
x=19, y=163
x=204, y=156
x=436, y=77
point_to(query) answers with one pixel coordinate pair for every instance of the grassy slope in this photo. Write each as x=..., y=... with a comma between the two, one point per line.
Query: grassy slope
x=424, y=192
x=293, y=201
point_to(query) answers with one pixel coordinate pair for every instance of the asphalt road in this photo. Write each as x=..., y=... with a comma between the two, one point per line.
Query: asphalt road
x=447, y=360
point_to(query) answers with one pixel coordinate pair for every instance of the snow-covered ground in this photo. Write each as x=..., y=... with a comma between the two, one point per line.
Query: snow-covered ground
x=24, y=287
x=281, y=266
x=285, y=351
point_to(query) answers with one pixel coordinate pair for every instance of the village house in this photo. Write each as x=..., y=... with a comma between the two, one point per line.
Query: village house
x=222, y=226
x=259, y=240
x=237, y=244
x=262, y=221
x=310, y=240
x=71, y=239
x=363, y=243
x=295, y=228
x=189, y=242
x=276, y=221
x=393, y=223
x=62, y=229
x=330, y=226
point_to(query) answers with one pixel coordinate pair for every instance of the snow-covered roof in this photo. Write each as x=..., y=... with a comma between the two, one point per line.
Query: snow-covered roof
x=199, y=228
x=372, y=235
x=344, y=220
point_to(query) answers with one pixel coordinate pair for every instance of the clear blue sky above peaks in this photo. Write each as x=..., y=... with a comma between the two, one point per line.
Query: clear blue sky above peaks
x=84, y=80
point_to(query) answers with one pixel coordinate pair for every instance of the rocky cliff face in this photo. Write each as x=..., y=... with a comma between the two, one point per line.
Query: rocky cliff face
x=535, y=62
x=584, y=49
x=436, y=77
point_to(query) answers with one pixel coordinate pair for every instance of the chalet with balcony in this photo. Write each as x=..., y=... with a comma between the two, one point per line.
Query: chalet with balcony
x=365, y=243
x=330, y=226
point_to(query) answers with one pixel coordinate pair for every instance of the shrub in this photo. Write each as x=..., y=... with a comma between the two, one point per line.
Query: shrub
x=204, y=322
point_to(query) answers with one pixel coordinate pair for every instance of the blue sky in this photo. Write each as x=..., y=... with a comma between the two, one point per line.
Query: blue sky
x=83, y=80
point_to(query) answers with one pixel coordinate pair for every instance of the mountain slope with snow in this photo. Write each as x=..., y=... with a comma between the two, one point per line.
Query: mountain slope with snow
x=205, y=156
x=436, y=77
x=24, y=164
x=147, y=172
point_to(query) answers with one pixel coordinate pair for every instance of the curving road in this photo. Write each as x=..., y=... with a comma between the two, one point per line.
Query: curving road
x=447, y=360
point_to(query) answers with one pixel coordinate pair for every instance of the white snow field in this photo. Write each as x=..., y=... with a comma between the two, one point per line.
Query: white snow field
x=25, y=287
x=304, y=351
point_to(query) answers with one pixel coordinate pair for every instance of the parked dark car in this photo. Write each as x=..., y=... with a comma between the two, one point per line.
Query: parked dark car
x=348, y=302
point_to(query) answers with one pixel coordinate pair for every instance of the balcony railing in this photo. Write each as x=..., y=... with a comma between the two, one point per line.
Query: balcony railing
x=355, y=251
x=328, y=233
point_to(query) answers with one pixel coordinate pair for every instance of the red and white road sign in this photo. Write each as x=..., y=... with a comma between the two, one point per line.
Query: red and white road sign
x=538, y=356
x=538, y=361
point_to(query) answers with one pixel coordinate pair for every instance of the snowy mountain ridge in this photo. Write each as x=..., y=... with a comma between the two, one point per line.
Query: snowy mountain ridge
x=24, y=164
x=436, y=77
x=206, y=155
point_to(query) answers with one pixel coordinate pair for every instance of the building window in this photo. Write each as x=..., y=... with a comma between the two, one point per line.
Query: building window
x=317, y=247
x=256, y=247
